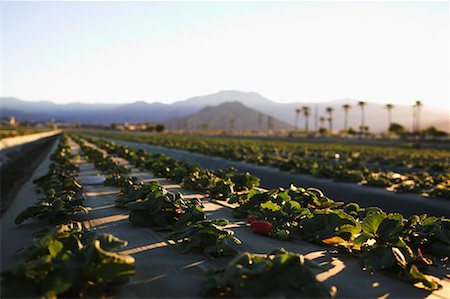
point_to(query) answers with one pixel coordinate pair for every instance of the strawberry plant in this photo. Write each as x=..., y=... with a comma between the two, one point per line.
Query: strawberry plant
x=62, y=195
x=120, y=180
x=383, y=248
x=384, y=242
x=279, y=274
x=369, y=165
x=207, y=236
x=68, y=262
x=428, y=235
x=241, y=181
x=165, y=210
x=135, y=192
x=325, y=224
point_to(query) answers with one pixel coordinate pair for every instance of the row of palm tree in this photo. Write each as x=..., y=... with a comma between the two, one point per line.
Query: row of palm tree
x=306, y=111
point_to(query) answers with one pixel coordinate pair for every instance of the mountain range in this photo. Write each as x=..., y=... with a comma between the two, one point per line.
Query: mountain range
x=228, y=116
x=245, y=108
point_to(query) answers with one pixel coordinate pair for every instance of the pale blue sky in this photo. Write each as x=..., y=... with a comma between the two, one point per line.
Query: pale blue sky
x=168, y=51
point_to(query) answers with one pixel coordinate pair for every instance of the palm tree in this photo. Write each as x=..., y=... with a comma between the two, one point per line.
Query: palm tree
x=260, y=121
x=270, y=123
x=297, y=114
x=231, y=123
x=306, y=113
x=322, y=120
x=330, y=118
x=362, y=104
x=346, y=107
x=417, y=107
x=389, y=108
x=316, y=117
x=330, y=123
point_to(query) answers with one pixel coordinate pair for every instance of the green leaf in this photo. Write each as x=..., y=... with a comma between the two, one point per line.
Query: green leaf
x=220, y=222
x=55, y=247
x=429, y=283
x=279, y=274
x=110, y=242
x=271, y=206
x=390, y=228
x=371, y=223
x=29, y=213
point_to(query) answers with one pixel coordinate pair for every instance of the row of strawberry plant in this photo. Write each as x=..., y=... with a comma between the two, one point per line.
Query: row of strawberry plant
x=382, y=241
x=430, y=160
x=65, y=261
x=154, y=206
x=62, y=195
x=117, y=175
x=219, y=184
x=421, y=171
x=151, y=205
x=68, y=262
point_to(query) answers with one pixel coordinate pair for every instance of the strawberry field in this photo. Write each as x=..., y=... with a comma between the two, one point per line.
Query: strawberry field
x=403, y=170
x=104, y=219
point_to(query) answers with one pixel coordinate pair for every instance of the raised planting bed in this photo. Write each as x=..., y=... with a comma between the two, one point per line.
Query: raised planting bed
x=407, y=204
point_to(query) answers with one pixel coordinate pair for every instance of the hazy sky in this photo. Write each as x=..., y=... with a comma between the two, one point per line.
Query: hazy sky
x=291, y=51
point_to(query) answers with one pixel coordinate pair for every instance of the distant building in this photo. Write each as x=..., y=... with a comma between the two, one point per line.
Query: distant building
x=9, y=121
x=12, y=121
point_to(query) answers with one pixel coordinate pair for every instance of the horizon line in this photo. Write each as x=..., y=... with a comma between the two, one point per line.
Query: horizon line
x=220, y=91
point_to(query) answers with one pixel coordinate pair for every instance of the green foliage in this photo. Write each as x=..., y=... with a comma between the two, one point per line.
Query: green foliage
x=208, y=236
x=199, y=179
x=326, y=224
x=430, y=235
x=62, y=195
x=433, y=132
x=385, y=242
x=349, y=163
x=397, y=129
x=384, y=248
x=165, y=210
x=68, y=262
x=120, y=180
x=280, y=274
x=135, y=192
x=223, y=189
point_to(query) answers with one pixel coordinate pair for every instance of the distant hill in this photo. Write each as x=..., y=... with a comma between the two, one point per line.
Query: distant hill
x=376, y=114
x=250, y=99
x=227, y=116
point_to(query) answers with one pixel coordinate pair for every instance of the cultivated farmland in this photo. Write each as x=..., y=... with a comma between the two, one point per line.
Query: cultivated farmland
x=99, y=217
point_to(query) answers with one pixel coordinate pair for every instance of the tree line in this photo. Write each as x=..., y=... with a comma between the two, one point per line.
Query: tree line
x=363, y=128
